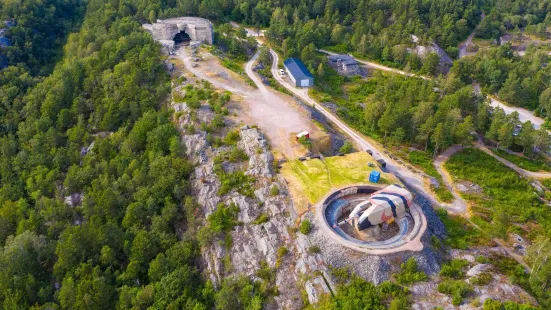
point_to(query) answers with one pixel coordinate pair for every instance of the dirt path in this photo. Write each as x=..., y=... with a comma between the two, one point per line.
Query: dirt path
x=439, y=165
x=523, y=114
x=523, y=172
x=459, y=205
x=381, y=67
x=463, y=46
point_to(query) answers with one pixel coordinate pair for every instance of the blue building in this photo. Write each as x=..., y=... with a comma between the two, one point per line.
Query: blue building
x=298, y=73
x=374, y=177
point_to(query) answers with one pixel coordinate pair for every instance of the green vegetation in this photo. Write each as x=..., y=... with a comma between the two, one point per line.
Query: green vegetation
x=490, y=304
x=314, y=249
x=309, y=181
x=525, y=163
x=39, y=30
x=361, y=294
x=261, y=219
x=376, y=35
x=304, y=140
x=498, y=213
x=240, y=293
x=219, y=222
x=457, y=289
x=454, y=269
x=274, y=190
x=504, y=192
x=461, y=234
x=426, y=163
x=482, y=279
x=305, y=227
x=346, y=148
x=517, y=80
x=398, y=110
x=410, y=273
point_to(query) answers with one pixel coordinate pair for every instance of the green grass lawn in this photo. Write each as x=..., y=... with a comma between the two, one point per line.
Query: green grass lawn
x=524, y=162
x=311, y=180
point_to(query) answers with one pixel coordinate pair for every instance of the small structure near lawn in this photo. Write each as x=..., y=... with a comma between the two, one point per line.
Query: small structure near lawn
x=305, y=134
x=374, y=176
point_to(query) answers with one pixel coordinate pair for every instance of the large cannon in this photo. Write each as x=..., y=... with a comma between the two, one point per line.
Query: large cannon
x=389, y=203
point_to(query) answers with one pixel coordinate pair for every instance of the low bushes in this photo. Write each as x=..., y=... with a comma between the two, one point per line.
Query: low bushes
x=457, y=289
x=410, y=273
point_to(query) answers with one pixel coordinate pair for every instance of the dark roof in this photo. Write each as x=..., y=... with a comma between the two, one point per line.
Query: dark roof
x=346, y=59
x=297, y=68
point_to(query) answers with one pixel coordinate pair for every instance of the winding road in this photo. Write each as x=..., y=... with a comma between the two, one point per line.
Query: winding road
x=523, y=114
x=459, y=205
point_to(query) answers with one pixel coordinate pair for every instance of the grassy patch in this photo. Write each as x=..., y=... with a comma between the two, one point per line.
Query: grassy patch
x=424, y=162
x=508, y=199
x=311, y=180
x=524, y=163
x=461, y=234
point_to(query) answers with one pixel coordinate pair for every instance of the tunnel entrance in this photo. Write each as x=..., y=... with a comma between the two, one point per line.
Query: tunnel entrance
x=182, y=38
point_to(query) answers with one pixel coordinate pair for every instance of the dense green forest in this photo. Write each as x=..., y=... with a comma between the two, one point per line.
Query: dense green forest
x=521, y=81
x=39, y=32
x=93, y=133
x=124, y=246
x=530, y=15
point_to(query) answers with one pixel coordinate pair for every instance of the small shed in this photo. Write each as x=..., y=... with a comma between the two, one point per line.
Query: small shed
x=298, y=72
x=303, y=134
x=374, y=176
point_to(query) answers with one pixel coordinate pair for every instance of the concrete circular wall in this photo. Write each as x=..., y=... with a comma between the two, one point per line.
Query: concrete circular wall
x=408, y=237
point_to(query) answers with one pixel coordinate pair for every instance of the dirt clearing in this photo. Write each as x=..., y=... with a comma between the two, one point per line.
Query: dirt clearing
x=277, y=115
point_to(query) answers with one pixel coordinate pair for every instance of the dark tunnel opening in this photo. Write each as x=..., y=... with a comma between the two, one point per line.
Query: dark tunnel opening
x=182, y=38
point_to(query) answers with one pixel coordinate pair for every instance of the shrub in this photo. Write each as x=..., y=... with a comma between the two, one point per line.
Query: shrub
x=456, y=288
x=454, y=269
x=482, y=279
x=232, y=137
x=305, y=141
x=274, y=191
x=261, y=219
x=490, y=304
x=346, y=147
x=314, y=249
x=410, y=273
x=305, y=227
x=341, y=274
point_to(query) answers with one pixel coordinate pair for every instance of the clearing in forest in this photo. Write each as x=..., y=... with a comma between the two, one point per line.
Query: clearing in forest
x=309, y=181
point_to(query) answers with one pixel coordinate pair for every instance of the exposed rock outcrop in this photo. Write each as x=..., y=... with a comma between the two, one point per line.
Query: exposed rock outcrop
x=254, y=242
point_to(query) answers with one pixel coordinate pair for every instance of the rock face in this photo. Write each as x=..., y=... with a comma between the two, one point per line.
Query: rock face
x=253, y=244
x=198, y=29
x=425, y=295
x=445, y=61
x=260, y=159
